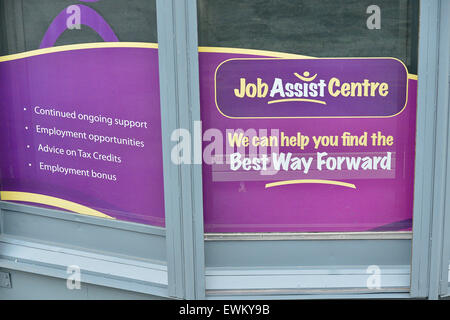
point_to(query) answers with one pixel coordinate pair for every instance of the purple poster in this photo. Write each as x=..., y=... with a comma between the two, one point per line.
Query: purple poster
x=81, y=130
x=290, y=145
x=306, y=145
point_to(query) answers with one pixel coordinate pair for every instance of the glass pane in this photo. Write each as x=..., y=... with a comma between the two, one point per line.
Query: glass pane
x=30, y=20
x=298, y=144
x=327, y=28
x=80, y=118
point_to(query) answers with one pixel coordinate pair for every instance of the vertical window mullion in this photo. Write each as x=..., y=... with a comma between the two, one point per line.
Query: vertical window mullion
x=180, y=108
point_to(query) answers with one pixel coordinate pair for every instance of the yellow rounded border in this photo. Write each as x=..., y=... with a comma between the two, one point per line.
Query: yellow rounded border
x=313, y=117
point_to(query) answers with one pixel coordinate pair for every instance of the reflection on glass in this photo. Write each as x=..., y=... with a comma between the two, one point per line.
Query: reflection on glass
x=326, y=28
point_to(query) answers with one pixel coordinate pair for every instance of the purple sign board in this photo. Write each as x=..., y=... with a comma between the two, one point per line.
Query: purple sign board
x=291, y=88
x=81, y=130
x=289, y=145
x=306, y=145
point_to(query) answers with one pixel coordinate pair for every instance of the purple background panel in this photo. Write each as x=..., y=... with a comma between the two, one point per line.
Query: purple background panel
x=244, y=204
x=112, y=82
x=123, y=83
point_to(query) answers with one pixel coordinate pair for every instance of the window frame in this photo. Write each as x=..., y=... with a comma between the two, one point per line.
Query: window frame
x=190, y=253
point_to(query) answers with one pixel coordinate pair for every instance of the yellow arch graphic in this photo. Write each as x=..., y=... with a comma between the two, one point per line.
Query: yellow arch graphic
x=95, y=45
x=288, y=182
x=51, y=201
x=80, y=46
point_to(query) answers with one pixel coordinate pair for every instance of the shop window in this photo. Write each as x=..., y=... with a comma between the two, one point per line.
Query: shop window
x=309, y=112
x=80, y=111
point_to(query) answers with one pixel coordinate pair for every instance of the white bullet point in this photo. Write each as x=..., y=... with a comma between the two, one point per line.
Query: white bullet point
x=24, y=109
x=26, y=128
x=28, y=146
x=29, y=164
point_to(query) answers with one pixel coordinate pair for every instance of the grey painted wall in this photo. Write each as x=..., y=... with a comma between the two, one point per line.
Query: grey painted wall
x=31, y=286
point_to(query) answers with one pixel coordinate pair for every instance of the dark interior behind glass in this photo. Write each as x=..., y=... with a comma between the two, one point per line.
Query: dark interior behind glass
x=325, y=28
x=24, y=22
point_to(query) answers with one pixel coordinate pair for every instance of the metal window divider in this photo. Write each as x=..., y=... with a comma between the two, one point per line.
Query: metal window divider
x=180, y=107
x=429, y=187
